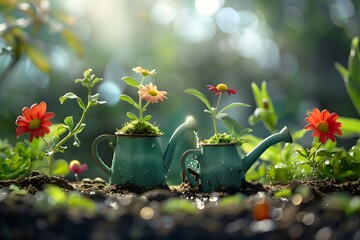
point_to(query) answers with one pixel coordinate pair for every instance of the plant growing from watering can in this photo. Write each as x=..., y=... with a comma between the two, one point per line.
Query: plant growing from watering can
x=37, y=122
x=234, y=128
x=139, y=124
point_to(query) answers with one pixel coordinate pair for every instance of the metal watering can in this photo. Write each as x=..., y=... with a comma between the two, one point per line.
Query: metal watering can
x=220, y=165
x=138, y=159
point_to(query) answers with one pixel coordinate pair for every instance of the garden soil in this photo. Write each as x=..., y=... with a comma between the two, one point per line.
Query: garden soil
x=131, y=212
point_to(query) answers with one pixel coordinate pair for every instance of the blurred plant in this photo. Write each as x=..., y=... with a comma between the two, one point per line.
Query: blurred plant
x=149, y=92
x=36, y=121
x=351, y=78
x=77, y=168
x=22, y=32
x=265, y=111
x=234, y=128
x=56, y=198
x=15, y=161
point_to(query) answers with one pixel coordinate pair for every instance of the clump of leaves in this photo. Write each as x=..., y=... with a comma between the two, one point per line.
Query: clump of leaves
x=224, y=138
x=15, y=161
x=139, y=127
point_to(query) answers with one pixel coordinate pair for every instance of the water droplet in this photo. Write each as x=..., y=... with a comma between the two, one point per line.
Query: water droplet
x=327, y=162
x=153, y=145
x=197, y=139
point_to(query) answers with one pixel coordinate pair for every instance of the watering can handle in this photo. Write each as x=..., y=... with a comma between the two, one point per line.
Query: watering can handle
x=195, y=152
x=112, y=140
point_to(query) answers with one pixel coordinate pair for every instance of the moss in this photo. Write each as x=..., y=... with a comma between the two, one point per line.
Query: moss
x=139, y=127
x=223, y=138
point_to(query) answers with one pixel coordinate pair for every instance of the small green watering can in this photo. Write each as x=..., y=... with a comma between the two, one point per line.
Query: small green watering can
x=138, y=159
x=220, y=165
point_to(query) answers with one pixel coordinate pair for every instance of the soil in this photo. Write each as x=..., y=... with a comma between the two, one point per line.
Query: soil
x=130, y=212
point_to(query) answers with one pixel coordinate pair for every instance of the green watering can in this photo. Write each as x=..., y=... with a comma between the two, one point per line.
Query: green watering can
x=220, y=165
x=138, y=159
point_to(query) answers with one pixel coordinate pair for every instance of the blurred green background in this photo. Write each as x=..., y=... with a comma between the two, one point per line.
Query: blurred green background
x=290, y=44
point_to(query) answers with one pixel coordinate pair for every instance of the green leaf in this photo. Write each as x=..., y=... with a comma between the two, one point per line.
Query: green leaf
x=82, y=126
x=131, y=81
x=200, y=96
x=76, y=142
x=342, y=70
x=231, y=124
x=37, y=57
x=352, y=76
x=131, y=116
x=60, y=129
x=257, y=94
x=55, y=138
x=231, y=105
x=69, y=121
x=73, y=42
x=147, y=117
x=60, y=167
x=96, y=81
x=265, y=111
x=128, y=99
x=94, y=98
x=350, y=126
x=68, y=95
x=81, y=103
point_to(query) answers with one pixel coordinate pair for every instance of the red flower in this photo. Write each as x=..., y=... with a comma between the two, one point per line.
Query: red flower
x=35, y=120
x=324, y=125
x=221, y=88
x=77, y=168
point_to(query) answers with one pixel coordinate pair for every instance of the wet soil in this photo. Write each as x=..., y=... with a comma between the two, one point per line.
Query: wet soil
x=132, y=212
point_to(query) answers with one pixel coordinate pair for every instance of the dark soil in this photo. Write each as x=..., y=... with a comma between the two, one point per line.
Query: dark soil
x=131, y=212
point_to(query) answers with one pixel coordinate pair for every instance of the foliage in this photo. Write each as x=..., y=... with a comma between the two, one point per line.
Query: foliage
x=351, y=75
x=89, y=81
x=69, y=126
x=234, y=128
x=283, y=163
x=140, y=124
x=56, y=198
x=223, y=138
x=351, y=78
x=15, y=161
x=23, y=29
x=139, y=127
x=265, y=111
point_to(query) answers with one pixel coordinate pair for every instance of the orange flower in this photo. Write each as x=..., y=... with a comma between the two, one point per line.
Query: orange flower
x=221, y=88
x=324, y=124
x=35, y=120
x=150, y=93
x=144, y=72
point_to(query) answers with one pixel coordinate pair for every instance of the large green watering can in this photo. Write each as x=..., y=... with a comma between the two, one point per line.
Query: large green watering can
x=139, y=159
x=220, y=165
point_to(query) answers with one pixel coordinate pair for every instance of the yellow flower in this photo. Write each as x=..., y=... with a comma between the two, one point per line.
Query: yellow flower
x=144, y=72
x=150, y=93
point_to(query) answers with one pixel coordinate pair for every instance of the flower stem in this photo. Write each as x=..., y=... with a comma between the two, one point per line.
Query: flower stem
x=70, y=134
x=214, y=113
x=141, y=109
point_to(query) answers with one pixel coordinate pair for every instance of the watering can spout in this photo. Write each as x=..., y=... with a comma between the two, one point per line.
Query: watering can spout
x=190, y=124
x=282, y=136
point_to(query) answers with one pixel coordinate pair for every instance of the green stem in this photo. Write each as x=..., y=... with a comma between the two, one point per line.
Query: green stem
x=214, y=113
x=140, y=102
x=70, y=134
